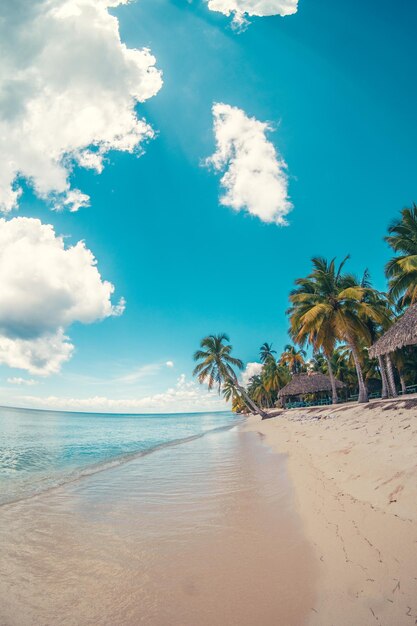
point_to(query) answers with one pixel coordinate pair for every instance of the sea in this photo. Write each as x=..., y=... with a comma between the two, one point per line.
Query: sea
x=40, y=450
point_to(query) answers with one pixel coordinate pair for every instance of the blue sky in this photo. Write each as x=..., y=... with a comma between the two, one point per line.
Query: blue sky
x=337, y=83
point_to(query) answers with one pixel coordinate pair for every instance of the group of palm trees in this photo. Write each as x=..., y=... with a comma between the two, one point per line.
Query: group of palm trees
x=339, y=316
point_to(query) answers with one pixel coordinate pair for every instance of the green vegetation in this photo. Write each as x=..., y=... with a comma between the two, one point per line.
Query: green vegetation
x=338, y=316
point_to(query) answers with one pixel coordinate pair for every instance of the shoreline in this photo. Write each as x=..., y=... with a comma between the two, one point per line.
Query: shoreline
x=354, y=472
x=105, y=465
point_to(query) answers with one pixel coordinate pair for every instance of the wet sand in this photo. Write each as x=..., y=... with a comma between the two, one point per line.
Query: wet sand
x=201, y=533
x=354, y=471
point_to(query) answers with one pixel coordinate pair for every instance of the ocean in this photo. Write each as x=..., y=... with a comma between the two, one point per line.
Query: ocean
x=43, y=449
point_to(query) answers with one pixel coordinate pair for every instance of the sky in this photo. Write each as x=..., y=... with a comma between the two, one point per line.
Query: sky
x=169, y=168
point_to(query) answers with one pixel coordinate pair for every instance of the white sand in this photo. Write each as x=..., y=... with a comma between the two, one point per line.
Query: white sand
x=354, y=469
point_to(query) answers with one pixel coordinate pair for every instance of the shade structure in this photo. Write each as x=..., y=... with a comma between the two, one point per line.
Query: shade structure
x=301, y=384
x=402, y=333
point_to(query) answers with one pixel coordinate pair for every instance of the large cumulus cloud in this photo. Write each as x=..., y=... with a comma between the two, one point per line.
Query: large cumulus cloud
x=44, y=288
x=68, y=90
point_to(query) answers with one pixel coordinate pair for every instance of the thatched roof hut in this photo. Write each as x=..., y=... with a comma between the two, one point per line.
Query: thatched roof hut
x=402, y=333
x=301, y=384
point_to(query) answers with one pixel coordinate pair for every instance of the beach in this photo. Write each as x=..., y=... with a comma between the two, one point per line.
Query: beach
x=198, y=531
x=304, y=519
x=354, y=471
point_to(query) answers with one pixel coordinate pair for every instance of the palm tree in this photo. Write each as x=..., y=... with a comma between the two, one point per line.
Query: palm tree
x=266, y=352
x=401, y=270
x=318, y=363
x=275, y=376
x=258, y=392
x=294, y=359
x=230, y=393
x=343, y=368
x=215, y=367
x=329, y=306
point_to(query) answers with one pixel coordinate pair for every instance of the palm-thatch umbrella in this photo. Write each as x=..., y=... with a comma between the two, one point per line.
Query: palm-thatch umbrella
x=301, y=384
x=402, y=333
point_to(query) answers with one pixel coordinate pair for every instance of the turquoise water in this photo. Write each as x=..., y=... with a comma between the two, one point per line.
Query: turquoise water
x=43, y=449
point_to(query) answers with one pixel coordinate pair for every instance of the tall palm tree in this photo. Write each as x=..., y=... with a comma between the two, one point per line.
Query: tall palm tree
x=215, y=367
x=294, y=359
x=266, y=352
x=401, y=270
x=330, y=306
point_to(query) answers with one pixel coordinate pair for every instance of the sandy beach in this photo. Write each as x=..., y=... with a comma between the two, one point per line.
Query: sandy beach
x=354, y=470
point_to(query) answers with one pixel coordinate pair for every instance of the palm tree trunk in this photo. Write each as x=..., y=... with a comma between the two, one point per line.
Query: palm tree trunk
x=255, y=408
x=248, y=406
x=248, y=401
x=384, y=393
x=335, y=399
x=391, y=380
x=363, y=394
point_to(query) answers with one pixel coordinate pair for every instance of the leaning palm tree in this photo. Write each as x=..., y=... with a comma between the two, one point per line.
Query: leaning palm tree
x=215, y=367
x=266, y=352
x=401, y=270
x=230, y=392
x=329, y=306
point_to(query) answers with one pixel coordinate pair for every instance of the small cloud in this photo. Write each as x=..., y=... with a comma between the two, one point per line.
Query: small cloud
x=255, y=175
x=139, y=373
x=169, y=363
x=259, y=8
x=16, y=380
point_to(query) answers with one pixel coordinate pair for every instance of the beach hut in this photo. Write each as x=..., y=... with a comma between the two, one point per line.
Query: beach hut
x=402, y=333
x=305, y=384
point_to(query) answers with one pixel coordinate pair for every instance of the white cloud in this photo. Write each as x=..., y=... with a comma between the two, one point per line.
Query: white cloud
x=16, y=380
x=185, y=396
x=68, y=90
x=44, y=288
x=256, y=177
x=144, y=371
x=259, y=8
x=251, y=369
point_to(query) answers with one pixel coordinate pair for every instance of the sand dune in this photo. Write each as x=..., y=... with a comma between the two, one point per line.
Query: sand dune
x=354, y=469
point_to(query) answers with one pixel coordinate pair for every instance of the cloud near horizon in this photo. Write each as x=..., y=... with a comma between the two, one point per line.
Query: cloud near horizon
x=68, y=90
x=44, y=288
x=17, y=380
x=255, y=178
x=254, y=8
x=184, y=397
x=251, y=369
